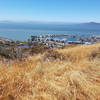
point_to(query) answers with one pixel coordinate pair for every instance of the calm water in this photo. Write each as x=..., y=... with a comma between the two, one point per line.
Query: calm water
x=21, y=34
x=23, y=31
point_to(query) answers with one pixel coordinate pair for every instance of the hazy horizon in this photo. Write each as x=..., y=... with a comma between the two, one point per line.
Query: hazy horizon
x=48, y=22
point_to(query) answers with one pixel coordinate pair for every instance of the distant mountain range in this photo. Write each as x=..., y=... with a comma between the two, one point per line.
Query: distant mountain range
x=49, y=26
x=90, y=24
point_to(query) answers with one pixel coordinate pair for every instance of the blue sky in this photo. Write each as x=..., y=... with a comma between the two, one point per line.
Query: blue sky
x=50, y=10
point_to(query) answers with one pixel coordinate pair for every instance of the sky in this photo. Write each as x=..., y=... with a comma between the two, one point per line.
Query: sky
x=50, y=10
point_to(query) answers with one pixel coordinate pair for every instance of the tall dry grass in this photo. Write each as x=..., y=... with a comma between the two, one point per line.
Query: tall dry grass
x=59, y=74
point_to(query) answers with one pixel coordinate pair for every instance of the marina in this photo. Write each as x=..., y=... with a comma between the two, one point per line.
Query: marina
x=52, y=40
x=58, y=40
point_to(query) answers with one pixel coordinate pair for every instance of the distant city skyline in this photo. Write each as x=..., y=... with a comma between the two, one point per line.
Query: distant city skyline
x=50, y=10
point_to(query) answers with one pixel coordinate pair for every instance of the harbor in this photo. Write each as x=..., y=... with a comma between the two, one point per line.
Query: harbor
x=51, y=40
x=59, y=40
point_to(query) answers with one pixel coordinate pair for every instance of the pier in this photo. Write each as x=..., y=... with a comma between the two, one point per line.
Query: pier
x=59, y=40
x=53, y=40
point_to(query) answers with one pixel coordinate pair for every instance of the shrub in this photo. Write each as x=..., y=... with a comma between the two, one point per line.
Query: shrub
x=39, y=49
x=53, y=55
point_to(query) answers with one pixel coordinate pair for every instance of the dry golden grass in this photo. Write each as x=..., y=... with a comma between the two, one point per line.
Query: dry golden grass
x=74, y=75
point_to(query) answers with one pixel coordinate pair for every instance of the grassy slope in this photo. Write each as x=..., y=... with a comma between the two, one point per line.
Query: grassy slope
x=64, y=74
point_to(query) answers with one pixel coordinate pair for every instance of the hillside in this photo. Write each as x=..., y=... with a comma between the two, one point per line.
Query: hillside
x=68, y=73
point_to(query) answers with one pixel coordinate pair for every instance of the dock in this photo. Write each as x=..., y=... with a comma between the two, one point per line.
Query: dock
x=59, y=40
